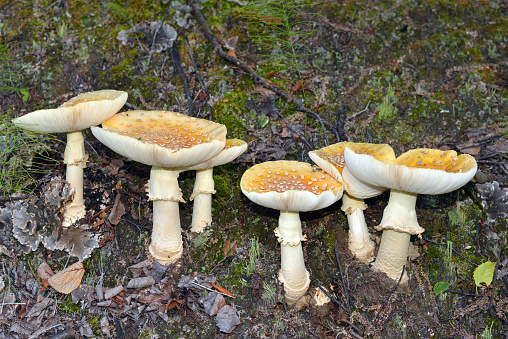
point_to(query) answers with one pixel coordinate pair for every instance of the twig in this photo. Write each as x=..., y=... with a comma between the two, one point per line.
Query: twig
x=389, y=295
x=256, y=77
x=209, y=289
x=202, y=84
x=175, y=54
x=453, y=249
x=43, y=330
x=332, y=298
x=344, y=287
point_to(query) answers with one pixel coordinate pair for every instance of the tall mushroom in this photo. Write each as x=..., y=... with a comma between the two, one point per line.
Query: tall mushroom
x=290, y=187
x=419, y=171
x=169, y=142
x=79, y=113
x=204, y=185
x=331, y=160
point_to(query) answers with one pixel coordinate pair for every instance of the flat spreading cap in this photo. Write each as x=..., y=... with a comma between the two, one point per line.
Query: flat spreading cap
x=79, y=113
x=163, y=139
x=233, y=149
x=290, y=186
x=331, y=160
x=420, y=171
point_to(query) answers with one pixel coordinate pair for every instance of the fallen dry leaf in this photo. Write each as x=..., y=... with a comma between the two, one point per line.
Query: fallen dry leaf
x=69, y=279
x=229, y=248
x=222, y=289
x=117, y=211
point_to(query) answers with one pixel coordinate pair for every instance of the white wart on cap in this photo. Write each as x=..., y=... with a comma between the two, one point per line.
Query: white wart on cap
x=291, y=187
x=168, y=142
x=77, y=114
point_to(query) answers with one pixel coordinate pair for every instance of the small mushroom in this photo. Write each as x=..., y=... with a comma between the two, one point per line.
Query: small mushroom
x=419, y=171
x=331, y=160
x=204, y=184
x=291, y=187
x=169, y=142
x=79, y=113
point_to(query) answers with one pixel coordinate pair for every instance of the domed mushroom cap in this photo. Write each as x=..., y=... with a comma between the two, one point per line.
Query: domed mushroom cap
x=421, y=171
x=331, y=160
x=233, y=149
x=290, y=186
x=160, y=138
x=81, y=112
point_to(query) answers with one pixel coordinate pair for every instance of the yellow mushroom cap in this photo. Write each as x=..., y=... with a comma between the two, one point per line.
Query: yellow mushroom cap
x=331, y=160
x=233, y=149
x=160, y=138
x=421, y=171
x=290, y=186
x=81, y=112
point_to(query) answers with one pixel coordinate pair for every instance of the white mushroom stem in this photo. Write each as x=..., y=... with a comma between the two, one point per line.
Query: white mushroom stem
x=75, y=159
x=392, y=255
x=166, y=246
x=360, y=244
x=398, y=224
x=292, y=273
x=202, y=196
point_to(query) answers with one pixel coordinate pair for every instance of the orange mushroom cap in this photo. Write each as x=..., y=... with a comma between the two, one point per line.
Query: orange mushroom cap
x=290, y=186
x=160, y=138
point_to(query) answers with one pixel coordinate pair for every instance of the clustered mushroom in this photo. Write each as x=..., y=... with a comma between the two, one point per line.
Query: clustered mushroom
x=172, y=143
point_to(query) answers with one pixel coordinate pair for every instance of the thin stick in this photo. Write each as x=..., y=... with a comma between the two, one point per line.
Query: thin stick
x=332, y=298
x=344, y=287
x=211, y=290
x=43, y=330
x=175, y=54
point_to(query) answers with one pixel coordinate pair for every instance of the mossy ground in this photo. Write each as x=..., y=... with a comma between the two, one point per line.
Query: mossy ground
x=408, y=73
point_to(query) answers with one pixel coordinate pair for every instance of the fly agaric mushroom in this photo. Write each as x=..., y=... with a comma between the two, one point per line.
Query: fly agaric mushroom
x=204, y=184
x=419, y=171
x=331, y=160
x=79, y=113
x=168, y=142
x=291, y=187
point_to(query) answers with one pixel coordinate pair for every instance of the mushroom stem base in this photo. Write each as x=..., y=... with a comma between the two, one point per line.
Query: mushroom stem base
x=392, y=255
x=292, y=273
x=166, y=246
x=360, y=244
x=202, y=195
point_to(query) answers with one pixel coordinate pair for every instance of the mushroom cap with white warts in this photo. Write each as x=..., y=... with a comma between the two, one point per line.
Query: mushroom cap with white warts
x=163, y=139
x=420, y=171
x=232, y=150
x=290, y=186
x=331, y=160
x=79, y=113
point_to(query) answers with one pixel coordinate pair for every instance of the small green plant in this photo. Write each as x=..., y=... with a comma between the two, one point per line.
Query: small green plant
x=22, y=155
x=457, y=217
x=448, y=257
x=202, y=238
x=268, y=292
x=387, y=110
x=254, y=252
x=280, y=26
x=484, y=273
x=487, y=332
x=10, y=75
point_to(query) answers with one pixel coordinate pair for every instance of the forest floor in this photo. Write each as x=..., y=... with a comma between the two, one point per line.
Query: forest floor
x=407, y=73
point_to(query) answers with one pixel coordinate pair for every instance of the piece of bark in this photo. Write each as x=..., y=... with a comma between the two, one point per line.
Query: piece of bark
x=227, y=319
x=212, y=303
x=142, y=282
